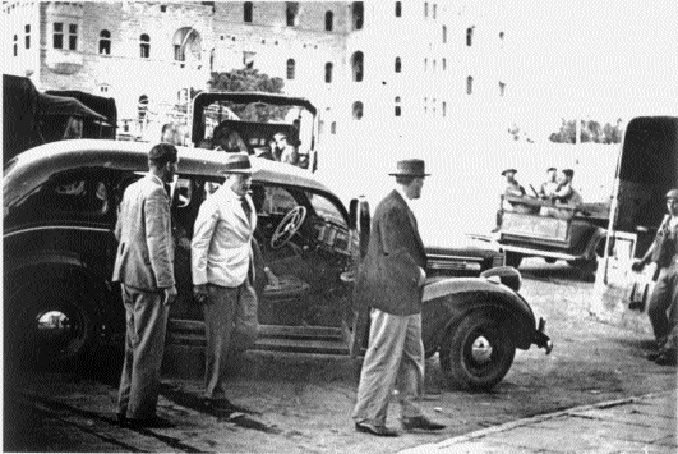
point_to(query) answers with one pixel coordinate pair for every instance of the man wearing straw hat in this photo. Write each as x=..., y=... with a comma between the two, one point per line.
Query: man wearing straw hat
x=391, y=283
x=223, y=272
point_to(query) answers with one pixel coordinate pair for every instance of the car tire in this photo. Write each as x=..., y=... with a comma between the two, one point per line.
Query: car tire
x=477, y=353
x=50, y=324
x=513, y=259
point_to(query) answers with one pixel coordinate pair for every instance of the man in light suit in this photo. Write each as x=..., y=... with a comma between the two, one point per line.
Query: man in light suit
x=144, y=266
x=222, y=268
x=391, y=282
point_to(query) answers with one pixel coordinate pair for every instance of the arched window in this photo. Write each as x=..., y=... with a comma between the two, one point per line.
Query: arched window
x=357, y=66
x=290, y=68
x=328, y=72
x=398, y=65
x=399, y=9
x=398, y=111
x=186, y=41
x=357, y=110
x=105, y=42
x=469, y=85
x=16, y=45
x=329, y=19
x=144, y=46
x=247, y=12
x=357, y=15
x=292, y=13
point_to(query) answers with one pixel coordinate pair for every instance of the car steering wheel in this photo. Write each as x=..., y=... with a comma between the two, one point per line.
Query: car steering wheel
x=289, y=225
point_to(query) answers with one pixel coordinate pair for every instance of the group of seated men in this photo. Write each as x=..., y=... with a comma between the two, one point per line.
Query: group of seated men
x=278, y=148
x=556, y=190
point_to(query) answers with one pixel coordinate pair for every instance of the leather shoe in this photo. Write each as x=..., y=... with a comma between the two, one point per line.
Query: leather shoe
x=421, y=423
x=653, y=355
x=379, y=431
x=667, y=358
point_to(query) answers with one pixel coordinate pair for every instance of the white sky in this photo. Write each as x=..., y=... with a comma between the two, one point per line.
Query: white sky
x=604, y=59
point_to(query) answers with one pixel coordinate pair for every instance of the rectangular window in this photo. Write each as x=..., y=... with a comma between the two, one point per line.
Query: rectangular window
x=321, y=126
x=291, y=11
x=28, y=36
x=444, y=108
x=469, y=36
x=502, y=88
x=334, y=127
x=444, y=33
x=72, y=36
x=58, y=37
x=444, y=64
x=435, y=11
x=425, y=9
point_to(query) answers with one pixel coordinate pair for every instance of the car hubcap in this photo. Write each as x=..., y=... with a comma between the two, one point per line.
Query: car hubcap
x=481, y=351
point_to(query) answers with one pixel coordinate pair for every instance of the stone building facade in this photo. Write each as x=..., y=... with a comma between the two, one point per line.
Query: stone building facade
x=408, y=70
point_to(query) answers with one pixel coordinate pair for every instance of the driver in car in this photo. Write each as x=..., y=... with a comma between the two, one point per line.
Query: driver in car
x=223, y=271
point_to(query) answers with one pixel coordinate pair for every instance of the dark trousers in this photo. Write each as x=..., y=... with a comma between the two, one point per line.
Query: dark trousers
x=663, y=307
x=146, y=318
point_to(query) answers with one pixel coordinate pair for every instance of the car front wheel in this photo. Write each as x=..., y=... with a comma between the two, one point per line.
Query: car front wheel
x=478, y=353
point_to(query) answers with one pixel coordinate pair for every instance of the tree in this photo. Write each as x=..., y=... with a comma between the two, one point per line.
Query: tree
x=249, y=79
x=591, y=131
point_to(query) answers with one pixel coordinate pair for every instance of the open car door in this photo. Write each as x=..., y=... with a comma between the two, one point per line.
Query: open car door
x=355, y=325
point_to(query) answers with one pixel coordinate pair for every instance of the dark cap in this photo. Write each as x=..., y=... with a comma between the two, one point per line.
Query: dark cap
x=410, y=167
x=504, y=172
x=162, y=153
x=551, y=168
x=568, y=172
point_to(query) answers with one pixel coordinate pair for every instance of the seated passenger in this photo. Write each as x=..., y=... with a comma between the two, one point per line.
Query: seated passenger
x=282, y=151
x=547, y=188
x=226, y=139
x=513, y=189
x=564, y=194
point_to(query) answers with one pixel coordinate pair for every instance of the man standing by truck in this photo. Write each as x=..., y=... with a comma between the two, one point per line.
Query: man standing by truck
x=663, y=307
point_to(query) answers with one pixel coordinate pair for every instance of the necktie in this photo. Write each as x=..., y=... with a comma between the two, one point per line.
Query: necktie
x=245, y=207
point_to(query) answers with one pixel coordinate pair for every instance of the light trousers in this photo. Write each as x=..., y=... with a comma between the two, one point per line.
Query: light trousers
x=394, y=359
x=230, y=324
x=146, y=317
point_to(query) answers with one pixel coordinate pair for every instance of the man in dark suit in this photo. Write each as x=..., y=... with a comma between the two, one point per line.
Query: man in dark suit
x=144, y=266
x=391, y=283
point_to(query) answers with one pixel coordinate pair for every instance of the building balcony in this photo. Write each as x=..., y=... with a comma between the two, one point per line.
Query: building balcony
x=63, y=61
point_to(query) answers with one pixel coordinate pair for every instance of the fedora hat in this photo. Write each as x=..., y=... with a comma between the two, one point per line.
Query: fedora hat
x=672, y=194
x=411, y=167
x=237, y=163
x=513, y=171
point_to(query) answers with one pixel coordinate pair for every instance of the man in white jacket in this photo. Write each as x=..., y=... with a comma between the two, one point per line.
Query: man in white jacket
x=223, y=272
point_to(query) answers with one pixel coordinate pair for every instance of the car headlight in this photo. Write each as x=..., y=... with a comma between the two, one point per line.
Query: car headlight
x=507, y=275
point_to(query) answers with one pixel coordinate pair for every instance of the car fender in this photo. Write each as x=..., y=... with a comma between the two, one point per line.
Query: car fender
x=447, y=301
x=57, y=265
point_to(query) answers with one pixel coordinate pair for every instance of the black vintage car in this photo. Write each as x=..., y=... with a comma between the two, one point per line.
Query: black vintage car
x=60, y=204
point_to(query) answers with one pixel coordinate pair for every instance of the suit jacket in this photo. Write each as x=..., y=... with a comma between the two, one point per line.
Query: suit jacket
x=145, y=256
x=222, y=240
x=389, y=277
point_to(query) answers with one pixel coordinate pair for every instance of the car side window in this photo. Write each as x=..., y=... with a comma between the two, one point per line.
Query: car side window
x=83, y=194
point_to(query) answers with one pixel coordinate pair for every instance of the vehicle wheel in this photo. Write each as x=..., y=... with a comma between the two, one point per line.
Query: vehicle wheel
x=50, y=324
x=478, y=353
x=513, y=259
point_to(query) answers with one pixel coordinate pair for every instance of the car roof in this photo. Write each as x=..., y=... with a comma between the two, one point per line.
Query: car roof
x=36, y=165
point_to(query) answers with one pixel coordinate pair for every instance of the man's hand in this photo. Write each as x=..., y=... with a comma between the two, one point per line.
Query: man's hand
x=200, y=293
x=422, y=277
x=638, y=266
x=170, y=295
